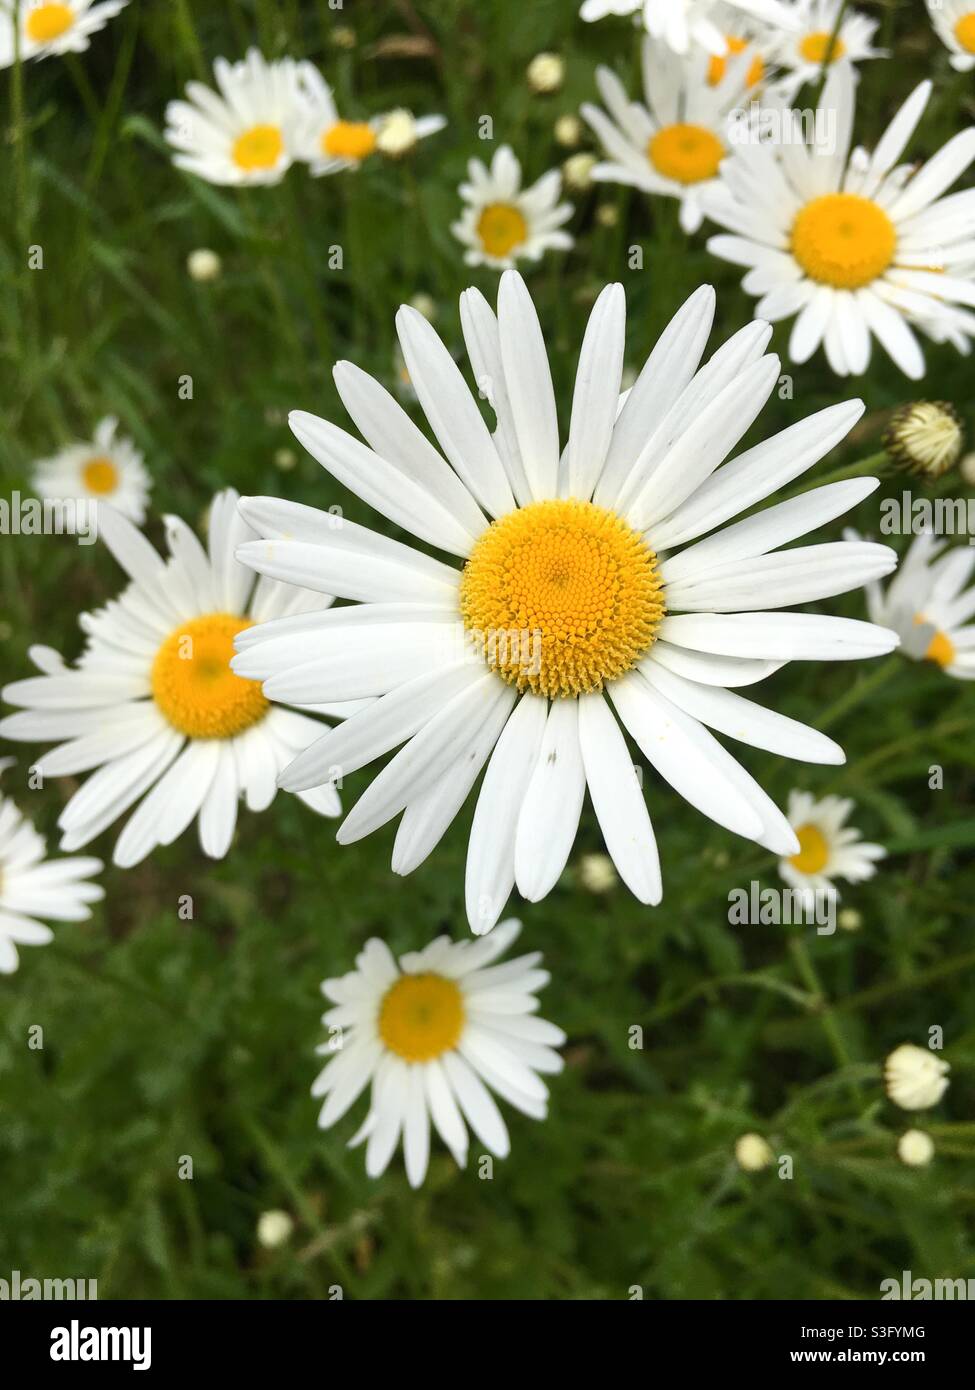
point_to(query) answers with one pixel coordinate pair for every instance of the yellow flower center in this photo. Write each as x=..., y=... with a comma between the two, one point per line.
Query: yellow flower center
x=941, y=649
x=349, y=140
x=685, y=153
x=843, y=240
x=965, y=31
x=100, y=475
x=814, y=47
x=718, y=65
x=193, y=685
x=501, y=228
x=813, y=853
x=421, y=1017
x=561, y=596
x=46, y=22
x=258, y=148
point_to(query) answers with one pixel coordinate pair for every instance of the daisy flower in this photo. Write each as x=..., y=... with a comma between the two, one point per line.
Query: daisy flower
x=675, y=143
x=680, y=23
x=828, y=848
x=434, y=1034
x=927, y=604
x=152, y=704
x=52, y=26
x=801, y=53
x=247, y=132
x=31, y=888
x=741, y=35
x=856, y=246
x=926, y=438
x=327, y=143
x=107, y=469
x=563, y=608
x=502, y=222
x=954, y=24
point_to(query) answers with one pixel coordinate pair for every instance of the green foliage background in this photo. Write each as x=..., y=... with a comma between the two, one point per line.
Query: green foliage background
x=165, y=1037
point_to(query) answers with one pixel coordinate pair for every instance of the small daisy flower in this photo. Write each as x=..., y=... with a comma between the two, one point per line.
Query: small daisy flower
x=915, y=1148
x=675, y=143
x=954, y=24
x=801, y=53
x=247, y=132
x=828, y=848
x=52, y=26
x=559, y=609
x=927, y=604
x=152, y=704
x=925, y=437
x=854, y=246
x=915, y=1077
x=546, y=73
x=596, y=873
x=203, y=265
x=399, y=131
x=503, y=223
x=434, y=1034
x=681, y=24
x=106, y=469
x=32, y=887
x=741, y=35
x=274, y=1229
x=328, y=144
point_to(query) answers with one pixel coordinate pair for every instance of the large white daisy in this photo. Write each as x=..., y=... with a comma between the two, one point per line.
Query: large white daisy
x=853, y=246
x=152, y=703
x=246, y=133
x=329, y=143
x=564, y=609
x=434, y=1034
x=108, y=468
x=52, y=26
x=31, y=887
x=801, y=53
x=502, y=222
x=828, y=848
x=675, y=143
x=679, y=24
x=954, y=23
x=927, y=604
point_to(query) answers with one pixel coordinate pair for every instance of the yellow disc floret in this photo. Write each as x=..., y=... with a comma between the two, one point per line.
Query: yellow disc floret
x=843, y=240
x=685, y=153
x=44, y=23
x=813, y=853
x=193, y=685
x=561, y=597
x=349, y=140
x=421, y=1017
x=718, y=65
x=258, y=148
x=501, y=227
x=100, y=475
x=965, y=31
x=814, y=47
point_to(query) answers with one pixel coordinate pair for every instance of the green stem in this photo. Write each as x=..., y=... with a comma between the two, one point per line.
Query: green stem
x=809, y=976
x=865, y=686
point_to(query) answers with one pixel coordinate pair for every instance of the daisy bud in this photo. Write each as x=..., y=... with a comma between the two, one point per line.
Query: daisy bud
x=397, y=134
x=568, y=130
x=849, y=919
x=753, y=1153
x=274, y=1229
x=915, y=1148
x=914, y=1077
x=967, y=469
x=203, y=264
x=925, y=437
x=343, y=36
x=424, y=304
x=546, y=73
x=285, y=459
x=577, y=171
x=596, y=873
x=607, y=215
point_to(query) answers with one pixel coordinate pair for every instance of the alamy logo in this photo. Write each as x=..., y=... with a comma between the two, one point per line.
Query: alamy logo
x=25, y=1289
x=46, y=516
x=77, y=1343
x=926, y=1290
